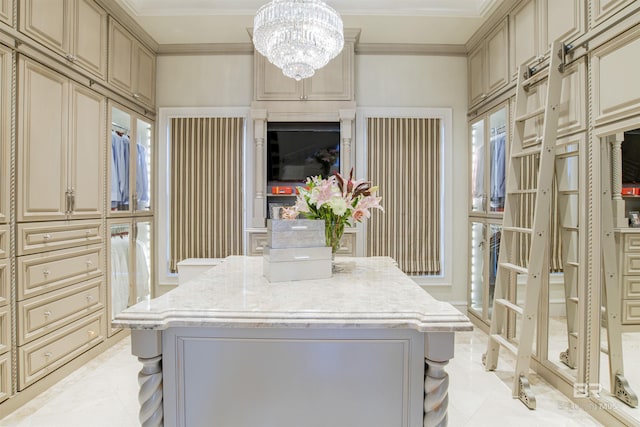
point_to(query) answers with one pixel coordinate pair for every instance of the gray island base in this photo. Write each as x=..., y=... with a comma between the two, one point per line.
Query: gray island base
x=367, y=347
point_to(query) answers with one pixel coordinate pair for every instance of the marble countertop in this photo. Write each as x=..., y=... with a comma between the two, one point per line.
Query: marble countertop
x=362, y=293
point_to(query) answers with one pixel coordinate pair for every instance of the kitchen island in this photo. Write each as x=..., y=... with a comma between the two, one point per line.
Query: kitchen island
x=366, y=347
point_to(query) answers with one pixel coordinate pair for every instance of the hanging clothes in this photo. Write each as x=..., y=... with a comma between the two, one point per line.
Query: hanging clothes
x=498, y=181
x=119, y=171
x=142, y=178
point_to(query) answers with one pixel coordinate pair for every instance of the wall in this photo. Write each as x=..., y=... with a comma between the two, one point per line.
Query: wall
x=381, y=81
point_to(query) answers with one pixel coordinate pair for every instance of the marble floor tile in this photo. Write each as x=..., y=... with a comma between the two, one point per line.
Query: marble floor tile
x=103, y=393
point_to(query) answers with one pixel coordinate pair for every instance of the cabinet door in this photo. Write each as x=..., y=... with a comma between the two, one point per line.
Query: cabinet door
x=142, y=159
x=5, y=130
x=42, y=143
x=562, y=20
x=145, y=75
x=46, y=21
x=271, y=84
x=86, y=147
x=6, y=11
x=120, y=266
x=332, y=82
x=89, y=38
x=476, y=75
x=497, y=59
x=143, y=229
x=524, y=35
x=603, y=9
x=121, y=52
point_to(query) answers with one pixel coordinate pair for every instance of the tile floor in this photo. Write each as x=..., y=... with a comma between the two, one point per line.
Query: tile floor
x=103, y=393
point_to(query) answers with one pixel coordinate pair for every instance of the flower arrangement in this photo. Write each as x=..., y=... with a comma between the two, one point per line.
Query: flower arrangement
x=336, y=201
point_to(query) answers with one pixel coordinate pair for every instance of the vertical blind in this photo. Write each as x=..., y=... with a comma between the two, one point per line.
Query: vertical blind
x=404, y=160
x=206, y=188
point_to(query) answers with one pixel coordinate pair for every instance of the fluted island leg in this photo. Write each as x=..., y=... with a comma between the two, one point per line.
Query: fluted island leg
x=438, y=350
x=147, y=345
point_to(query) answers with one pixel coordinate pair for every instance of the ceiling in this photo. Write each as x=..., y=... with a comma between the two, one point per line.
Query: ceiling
x=380, y=21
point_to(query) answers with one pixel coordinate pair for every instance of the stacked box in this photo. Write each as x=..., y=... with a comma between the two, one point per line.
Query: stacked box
x=296, y=250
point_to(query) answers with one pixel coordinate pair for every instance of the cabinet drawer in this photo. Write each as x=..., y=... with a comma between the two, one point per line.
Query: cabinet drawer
x=47, y=236
x=4, y=241
x=4, y=282
x=632, y=242
x=5, y=329
x=631, y=312
x=631, y=263
x=41, y=315
x=48, y=353
x=46, y=272
x=630, y=287
x=5, y=376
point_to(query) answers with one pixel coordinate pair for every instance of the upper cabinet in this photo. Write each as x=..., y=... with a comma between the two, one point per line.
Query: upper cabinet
x=132, y=67
x=5, y=130
x=75, y=29
x=561, y=20
x=60, y=147
x=488, y=64
x=604, y=9
x=6, y=11
x=334, y=82
x=525, y=35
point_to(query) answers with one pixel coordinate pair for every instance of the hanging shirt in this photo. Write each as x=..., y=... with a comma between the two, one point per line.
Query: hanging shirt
x=142, y=177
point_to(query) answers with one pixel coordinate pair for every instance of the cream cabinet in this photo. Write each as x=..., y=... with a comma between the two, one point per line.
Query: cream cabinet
x=5, y=130
x=488, y=64
x=524, y=40
x=132, y=67
x=61, y=147
x=628, y=248
x=75, y=29
x=616, y=88
x=604, y=9
x=561, y=20
x=334, y=82
x=129, y=258
x=6, y=16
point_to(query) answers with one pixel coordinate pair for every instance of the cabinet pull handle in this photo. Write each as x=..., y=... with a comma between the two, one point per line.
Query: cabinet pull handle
x=302, y=257
x=48, y=354
x=136, y=95
x=73, y=201
x=89, y=262
x=91, y=333
x=71, y=57
x=89, y=298
x=298, y=227
x=47, y=313
x=45, y=273
x=46, y=236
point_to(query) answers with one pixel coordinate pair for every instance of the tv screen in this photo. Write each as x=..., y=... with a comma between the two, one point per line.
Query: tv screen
x=298, y=150
x=631, y=157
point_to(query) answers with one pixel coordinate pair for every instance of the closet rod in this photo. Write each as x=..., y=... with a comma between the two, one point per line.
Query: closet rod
x=114, y=124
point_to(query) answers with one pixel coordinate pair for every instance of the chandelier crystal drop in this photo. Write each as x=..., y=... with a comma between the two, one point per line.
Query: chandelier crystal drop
x=298, y=36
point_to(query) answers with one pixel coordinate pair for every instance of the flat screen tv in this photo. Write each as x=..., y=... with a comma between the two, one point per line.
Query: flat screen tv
x=297, y=150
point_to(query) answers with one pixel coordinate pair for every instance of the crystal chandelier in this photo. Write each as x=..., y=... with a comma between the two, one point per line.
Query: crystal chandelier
x=298, y=36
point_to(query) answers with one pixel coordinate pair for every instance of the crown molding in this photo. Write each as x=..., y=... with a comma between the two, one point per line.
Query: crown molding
x=411, y=49
x=494, y=19
x=206, y=49
x=120, y=15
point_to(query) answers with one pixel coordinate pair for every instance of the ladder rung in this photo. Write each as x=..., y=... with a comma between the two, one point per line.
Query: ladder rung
x=506, y=344
x=518, y=230
x=514, y=267
x=508, y=304
x=530, y=115
x=526, y=191
x=573, y=300
x=537, y=76
x=528, y=152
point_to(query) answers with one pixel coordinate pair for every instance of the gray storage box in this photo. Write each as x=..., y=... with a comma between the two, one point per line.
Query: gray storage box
x=281, y=265
x=295, y=233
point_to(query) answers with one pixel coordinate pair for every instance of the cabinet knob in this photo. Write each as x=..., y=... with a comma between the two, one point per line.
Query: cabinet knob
x=47, y=313
x=91, y=333
x=136, y=95
x=48, y=354
x=71, y=57
x=46, y=236
x=89, y=298
x=45, y=272
x=89, y=263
